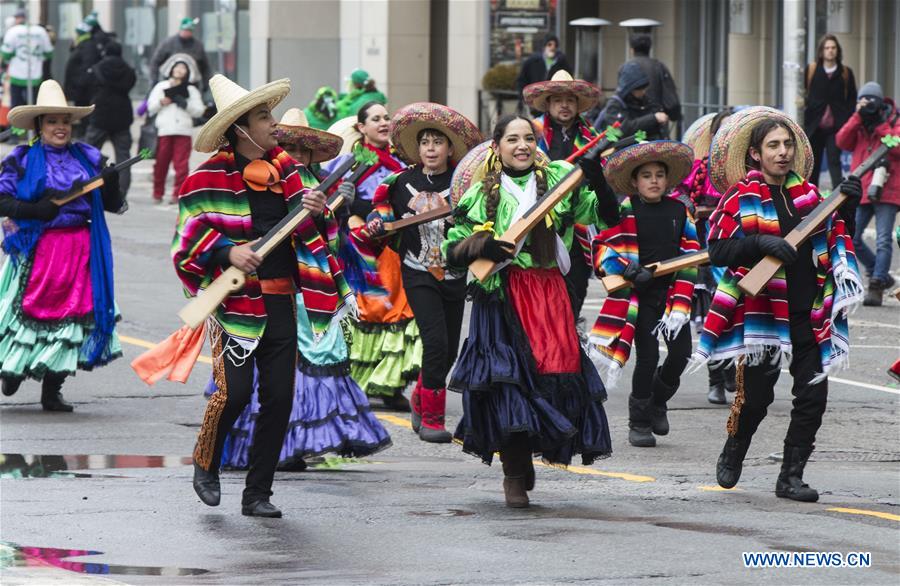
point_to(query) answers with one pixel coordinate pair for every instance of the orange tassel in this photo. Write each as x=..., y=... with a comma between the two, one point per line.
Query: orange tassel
x=173, y=358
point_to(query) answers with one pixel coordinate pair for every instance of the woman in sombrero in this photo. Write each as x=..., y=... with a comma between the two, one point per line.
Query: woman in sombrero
x=697, y=192
x=432, y=138
x=760, y=159
x=653, y=228
x=527, y=386
x=330, y=413
x=385, y=349
x=57, y=306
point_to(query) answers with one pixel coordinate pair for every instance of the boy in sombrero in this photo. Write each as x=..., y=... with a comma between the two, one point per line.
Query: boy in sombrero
x=562, y=130
x=759, y=159
x=227, y=203
x=653, y=228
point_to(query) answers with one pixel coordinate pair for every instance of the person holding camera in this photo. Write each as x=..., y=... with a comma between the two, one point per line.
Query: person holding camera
x=875, y=118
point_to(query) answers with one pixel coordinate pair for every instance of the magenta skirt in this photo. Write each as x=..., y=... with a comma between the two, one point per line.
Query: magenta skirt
x=59, y=285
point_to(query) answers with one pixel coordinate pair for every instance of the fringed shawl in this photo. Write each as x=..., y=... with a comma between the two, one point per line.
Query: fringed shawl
x=613, y=332
x=740, y=325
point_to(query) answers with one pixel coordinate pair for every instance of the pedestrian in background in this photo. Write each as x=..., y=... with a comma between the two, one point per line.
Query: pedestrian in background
x=362, y=91
x=24, y=49
x=175, y=102
x=875, y=118
x=186, y=43
x=631, y=107
x=830, y=100
x=113, y=79
x=541, y=65
x=662, y=89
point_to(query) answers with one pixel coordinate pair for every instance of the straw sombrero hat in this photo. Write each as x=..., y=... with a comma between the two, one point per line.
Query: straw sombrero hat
x=294, y=128
x=697, y=135
x=728, y=152
x=537, y=94
x=409, y=120
x=50, y=100
x=473, y=167
x=233, y=101
x=677, y=156
x=346, y=129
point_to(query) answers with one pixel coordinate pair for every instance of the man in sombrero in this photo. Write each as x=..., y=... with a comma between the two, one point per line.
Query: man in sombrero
x=561, y=130
x=759, y=160
x=235, y=197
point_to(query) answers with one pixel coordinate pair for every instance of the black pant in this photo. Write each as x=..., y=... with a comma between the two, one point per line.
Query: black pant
x=275, y=358
x=438, y=308
x=577, y=279
x=809, y=399
x=824, y=140
x=651, y=307
x=121, y=141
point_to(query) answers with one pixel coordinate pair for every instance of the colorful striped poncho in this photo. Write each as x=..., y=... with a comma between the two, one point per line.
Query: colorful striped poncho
x=214, y=211
x=583, y=233
x=740, y=325
x=613, y=332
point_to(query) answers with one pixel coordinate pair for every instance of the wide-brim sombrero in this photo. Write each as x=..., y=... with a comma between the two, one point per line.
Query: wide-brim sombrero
x=50, y=100
x=294, y=128
x=410, y=120
x=677, y=156
x=728, y=153
x=347, y=130
x=233, y=101
x=537, y=94
x=698, y=137
x=473, y=168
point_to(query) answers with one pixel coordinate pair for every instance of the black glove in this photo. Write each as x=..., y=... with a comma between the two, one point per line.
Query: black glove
x=852, y=188
x=43, y=209
x=497, y=250
x=110, y=190
x=639, y=276
x=593, y=171
x=776, y=246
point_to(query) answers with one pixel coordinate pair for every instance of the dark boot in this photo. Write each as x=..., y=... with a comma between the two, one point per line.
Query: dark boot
x=11, y=385
x=396, y=402
x=415, y=417
x=51, y=398
x=729, y=375
x=206, y=485
x=790, y=483
x=731, y=461
x=662, y=392
x=875, y=293
x=261, y=508
x=716, y=394
x=640, y=429
x=515, y=458
x=434, y=403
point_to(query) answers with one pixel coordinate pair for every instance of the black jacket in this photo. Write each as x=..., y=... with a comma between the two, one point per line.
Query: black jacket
x=113, y=79
x=662, y=89
x=633, y=114
x=834, y=92
x=534, y=69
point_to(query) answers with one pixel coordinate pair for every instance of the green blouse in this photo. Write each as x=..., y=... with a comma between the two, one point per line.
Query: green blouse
x=578, y=206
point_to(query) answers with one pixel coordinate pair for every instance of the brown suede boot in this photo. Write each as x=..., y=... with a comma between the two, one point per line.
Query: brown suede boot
x=515, y=459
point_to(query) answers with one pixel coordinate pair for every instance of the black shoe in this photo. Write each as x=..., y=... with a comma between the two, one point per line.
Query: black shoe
x=790, y=483
x=875, y=293
x=11, y=385
x=659, y=421
x=397, y=402
x=55, y=402
x=731, y=462
x=261, y=508
x=641, y=436
x=207, y=487
x=716, y=395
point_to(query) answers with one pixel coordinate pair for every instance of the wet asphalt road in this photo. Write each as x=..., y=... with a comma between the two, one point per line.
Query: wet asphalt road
x=420, y=513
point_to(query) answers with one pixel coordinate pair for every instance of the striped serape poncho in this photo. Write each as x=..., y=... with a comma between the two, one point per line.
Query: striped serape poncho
x=613, y=332
x=752, y=327
x=214, y=211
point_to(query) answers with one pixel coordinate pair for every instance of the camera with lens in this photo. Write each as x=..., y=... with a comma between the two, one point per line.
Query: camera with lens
x=879, y=178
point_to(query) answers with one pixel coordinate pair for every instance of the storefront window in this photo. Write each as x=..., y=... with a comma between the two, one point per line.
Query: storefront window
x=518, y=27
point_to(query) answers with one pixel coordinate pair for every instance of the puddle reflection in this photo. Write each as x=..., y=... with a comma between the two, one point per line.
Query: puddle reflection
x=57, y=466
x=19, y=556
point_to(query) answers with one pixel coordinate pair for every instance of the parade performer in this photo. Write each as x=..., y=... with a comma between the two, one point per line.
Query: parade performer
x=362, y=90
x=385, y=349
x=232, y=199
x=528, y=387
x=697, y=193
x=759, y=159
x=330, y=413
x=653, y=228
x=432, y=138
x=57, y=303
x=562, y=130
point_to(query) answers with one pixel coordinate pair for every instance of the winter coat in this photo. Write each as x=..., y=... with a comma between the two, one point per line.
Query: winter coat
x=175, y=44
x=662, y=89
x=172, y=119
x=113, y=79
x=822, y=91
x=78, y=81
x=853, y=136
x=534, y=69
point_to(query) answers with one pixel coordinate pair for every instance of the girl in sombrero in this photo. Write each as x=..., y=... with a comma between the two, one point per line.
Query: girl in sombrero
x=385, y=351
x=57, y=304
x=432, y=138
x=330, y=413
x=527, y=386
x=653, y=228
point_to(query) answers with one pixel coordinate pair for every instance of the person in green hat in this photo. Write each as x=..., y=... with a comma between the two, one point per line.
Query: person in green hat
x=322, y=110
x=182, y=42
x=362, y=91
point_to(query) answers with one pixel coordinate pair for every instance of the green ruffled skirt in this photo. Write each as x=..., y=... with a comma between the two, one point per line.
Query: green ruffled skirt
x=384, y=358
x=31, y=349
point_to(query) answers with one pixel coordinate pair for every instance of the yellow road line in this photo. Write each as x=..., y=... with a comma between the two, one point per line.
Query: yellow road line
x=718, y=489
x=879, y=514
x=394, y=419
x=147, y=344
x=591, y=472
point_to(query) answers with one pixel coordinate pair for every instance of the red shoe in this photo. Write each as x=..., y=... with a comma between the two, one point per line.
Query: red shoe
x=894, y=370
x=415, y=417
x=434, y=403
